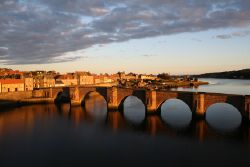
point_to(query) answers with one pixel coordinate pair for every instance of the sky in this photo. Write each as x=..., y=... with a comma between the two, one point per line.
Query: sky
x=141, y=36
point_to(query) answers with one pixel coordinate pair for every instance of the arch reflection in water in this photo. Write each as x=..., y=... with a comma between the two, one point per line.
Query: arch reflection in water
x=223, y=117
x=134, y=110
x=176, y=113
x=95, y=107
x=64, y=109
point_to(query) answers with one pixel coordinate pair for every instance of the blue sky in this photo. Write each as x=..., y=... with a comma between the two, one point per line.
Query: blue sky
x=142, y=36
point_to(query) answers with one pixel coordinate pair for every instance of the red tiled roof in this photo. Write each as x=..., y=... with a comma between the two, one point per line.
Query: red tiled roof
x=11, y=81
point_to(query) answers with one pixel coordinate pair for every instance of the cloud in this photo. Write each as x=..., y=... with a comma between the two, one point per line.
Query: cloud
x=3, y=51
x=233, y=35
x=44, y=31
x=196, y=40
x=149, y=55
x=241, y=34
x=224, y=36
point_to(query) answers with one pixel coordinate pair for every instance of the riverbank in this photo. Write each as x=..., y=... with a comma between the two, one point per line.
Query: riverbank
x=240, y=74
x=175, y=84
x=186, y=83
x=7, y=104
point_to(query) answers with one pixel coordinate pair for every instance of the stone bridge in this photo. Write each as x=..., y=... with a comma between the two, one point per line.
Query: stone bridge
x=198, y=102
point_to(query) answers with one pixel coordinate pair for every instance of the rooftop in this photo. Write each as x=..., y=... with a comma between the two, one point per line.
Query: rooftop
x=11, y=81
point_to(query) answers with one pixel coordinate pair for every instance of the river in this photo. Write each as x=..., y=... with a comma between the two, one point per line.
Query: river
x=228, y=86
x=50, y=135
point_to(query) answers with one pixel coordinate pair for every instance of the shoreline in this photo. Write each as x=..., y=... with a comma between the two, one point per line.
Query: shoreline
x=8, y=104
x=244, y=79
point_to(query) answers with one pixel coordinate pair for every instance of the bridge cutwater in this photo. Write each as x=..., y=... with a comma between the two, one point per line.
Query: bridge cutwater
x=198, y=102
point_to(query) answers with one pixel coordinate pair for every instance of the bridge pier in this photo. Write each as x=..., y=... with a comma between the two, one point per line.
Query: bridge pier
x=247, y=108
x=152, y=102
x=199, y=106
x=112, y=99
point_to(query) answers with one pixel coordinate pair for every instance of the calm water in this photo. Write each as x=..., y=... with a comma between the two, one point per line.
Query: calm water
x=47, y=135
x=228, y=86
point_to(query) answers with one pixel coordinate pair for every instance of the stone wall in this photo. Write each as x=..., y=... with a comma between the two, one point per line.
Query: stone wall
x=236, y=100
x=15, y=95
x=38, y=93
x=162, y=96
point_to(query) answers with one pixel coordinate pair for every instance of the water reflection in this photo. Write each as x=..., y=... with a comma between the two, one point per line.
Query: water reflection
x=223, y=117
x=60, y=137
x=155, y=125
x=34, y=120
x=201, y=130
x=96, y=107
x=176, y=113
x=78, y=115
x=64, y=109
x=134, y=110
x=22, y=121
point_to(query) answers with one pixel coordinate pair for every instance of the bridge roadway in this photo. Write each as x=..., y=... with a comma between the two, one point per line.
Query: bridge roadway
x=198, y=102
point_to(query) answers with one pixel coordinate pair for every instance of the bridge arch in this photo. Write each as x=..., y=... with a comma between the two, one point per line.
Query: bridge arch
x=135, y=113
x=176, y=113
x=56, y=94
x=223, y=116
x=87, y=95
x=61, y=97
x=158, y=108
x=121, y=103
x=95, y=106
x=225, y=104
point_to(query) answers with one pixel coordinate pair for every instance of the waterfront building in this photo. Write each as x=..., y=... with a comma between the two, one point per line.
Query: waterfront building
x=38, y=82
x=107, y=79
x=48, y=81
x=68, y=79
x=28, y=84
x=148, y=77
x=12, y=85
x=86, y=79
x=97, y=79
x=130, y=77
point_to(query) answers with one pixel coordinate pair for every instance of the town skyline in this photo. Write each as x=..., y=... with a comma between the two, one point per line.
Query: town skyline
x=185, y=37
x=115, y=72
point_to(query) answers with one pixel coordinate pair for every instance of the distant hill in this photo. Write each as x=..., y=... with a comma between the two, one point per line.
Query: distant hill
x=240, y=74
